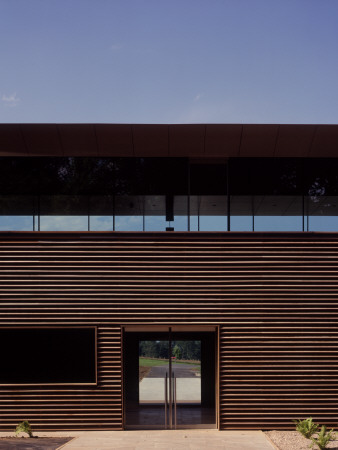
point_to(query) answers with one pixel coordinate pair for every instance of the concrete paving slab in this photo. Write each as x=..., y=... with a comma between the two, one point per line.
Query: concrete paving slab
x=164, y=440
x=188, y=389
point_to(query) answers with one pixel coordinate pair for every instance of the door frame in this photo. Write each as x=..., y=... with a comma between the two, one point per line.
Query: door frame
x=151, y=328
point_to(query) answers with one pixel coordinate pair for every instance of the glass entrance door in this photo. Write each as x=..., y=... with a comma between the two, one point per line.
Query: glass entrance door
x=175, y=384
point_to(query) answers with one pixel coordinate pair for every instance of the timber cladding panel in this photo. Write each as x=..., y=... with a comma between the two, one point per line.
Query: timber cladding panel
x=274, y=295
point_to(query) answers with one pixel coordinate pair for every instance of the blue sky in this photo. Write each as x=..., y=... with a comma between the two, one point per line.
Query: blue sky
x=155, y=61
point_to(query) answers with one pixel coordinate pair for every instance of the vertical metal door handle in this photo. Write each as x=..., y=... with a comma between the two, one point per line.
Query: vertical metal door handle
x=166, y=401
x=175, y=401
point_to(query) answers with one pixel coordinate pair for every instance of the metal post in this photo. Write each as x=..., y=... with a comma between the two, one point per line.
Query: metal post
x=165, y=400
x=175, y=401
x=170, y=385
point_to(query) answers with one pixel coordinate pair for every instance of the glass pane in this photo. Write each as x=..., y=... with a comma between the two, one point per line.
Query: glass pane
x=76, y=175
x=321, y=190
x=64, y=213
x=208, y=200
x=101, y=208
x=275, y=176
x=16, y=212
x=213, y=223
x=129, y=213
x=17, y=205
x=128, y=223
x=321, y=177
x=19, y=175
x=186, y=367
x=153, y=366
x=180, y=213
x=180, y=223
x=278, y=213
x=241, y=223
x=194, y=223
x=101, y=223
x=155, y=223
x=63, y=223
x=208, y=213
x=16, y=223
x=166, y=211
x=241, y=198
x=155, y=212
x=322, y=213
x=64, y=205
x=241, y=208
x=208, y=178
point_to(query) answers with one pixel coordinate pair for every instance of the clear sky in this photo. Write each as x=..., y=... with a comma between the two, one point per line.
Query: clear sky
x=169, y=61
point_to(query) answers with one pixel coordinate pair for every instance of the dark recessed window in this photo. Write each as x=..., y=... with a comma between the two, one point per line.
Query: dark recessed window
x=48, y=355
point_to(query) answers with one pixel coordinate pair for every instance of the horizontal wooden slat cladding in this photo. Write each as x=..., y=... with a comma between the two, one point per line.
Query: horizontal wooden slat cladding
x=57, y=407
x=274, y=373
x=274, y=295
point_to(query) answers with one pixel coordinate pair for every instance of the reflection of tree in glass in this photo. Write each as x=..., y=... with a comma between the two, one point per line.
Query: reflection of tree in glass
x=190, y=350
x=177, y=352
x=154, y=349
x=318, y=187
x=186, y=350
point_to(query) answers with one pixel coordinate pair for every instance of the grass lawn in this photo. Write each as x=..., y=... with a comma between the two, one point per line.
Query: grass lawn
x=145, y=362
x=149, y=362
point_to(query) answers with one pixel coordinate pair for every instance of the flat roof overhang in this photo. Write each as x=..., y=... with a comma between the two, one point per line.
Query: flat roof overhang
x=195, y=140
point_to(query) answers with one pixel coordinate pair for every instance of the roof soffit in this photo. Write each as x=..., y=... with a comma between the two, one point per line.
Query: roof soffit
x=191, y=140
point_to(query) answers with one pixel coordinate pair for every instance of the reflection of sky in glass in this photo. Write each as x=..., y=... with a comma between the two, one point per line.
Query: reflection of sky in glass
x=180, y=223
x=323, y=223
x=193, y=223
x=158, y=223
x=129, y=223
x=17, y=223
x=101, y=223
x=278, y=223
x=63, y=223
x=208, y=223
x=241, y=223
x=213, y=223
x=323, y=217
x=155, y=223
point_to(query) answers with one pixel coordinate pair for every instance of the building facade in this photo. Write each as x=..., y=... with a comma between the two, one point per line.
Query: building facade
x=112, y=235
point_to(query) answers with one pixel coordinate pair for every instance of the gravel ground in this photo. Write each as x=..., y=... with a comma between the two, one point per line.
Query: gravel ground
x=23, y=443
x=293, y=440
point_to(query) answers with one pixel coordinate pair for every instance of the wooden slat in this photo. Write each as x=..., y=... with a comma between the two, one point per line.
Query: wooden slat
x=274, y=295
x=71, y=407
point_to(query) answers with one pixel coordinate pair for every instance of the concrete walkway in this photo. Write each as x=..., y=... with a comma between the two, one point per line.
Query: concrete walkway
x=188, y=389
x=165, y=440
x=180, y=370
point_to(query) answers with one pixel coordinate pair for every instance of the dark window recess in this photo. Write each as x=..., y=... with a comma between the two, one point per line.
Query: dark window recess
x=266, y=176
x=208, y=179
x=321, y=177
x=19, y=176
x=51, y=355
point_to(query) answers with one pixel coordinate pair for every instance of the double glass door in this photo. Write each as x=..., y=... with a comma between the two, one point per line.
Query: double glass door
x=169, y=380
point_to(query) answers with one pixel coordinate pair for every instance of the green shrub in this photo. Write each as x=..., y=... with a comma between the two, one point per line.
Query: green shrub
x=24, y=427
x=323, y=438
x=306, y=427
